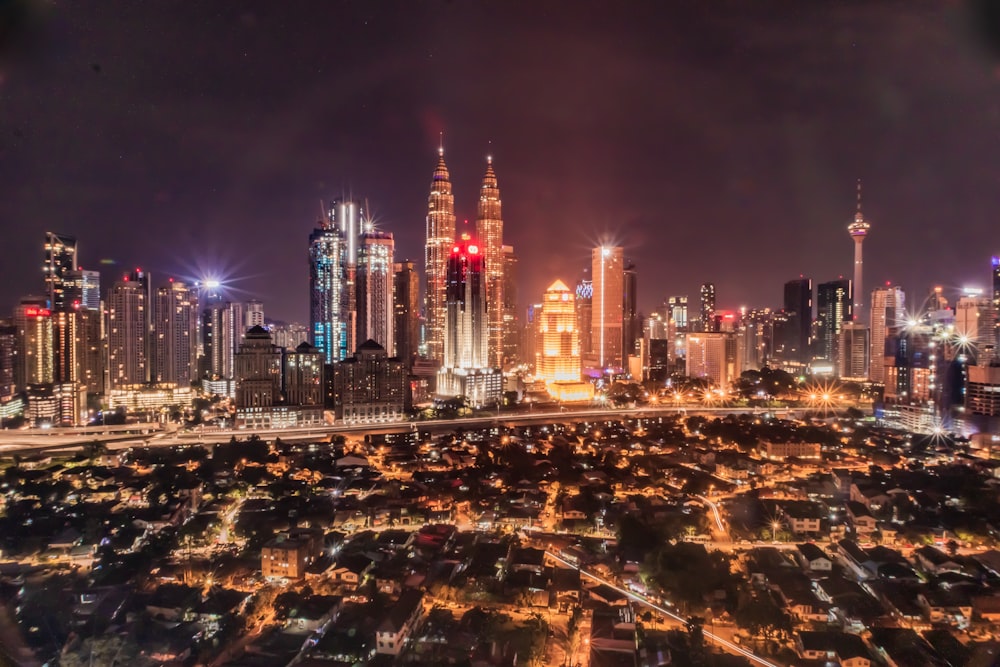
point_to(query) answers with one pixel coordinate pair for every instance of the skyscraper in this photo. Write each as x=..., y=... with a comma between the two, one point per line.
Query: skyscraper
x=174, y=325
x=345, y=216
x=608, y=273
x=374, y=289
x=559, y=355
x=707, y=322
x=558, y=350
x=585, y=320
x=887, y=311
x=858, y=231
x=717, y=357
x=224, y=328
x=975, y=325
x=631, y=326
x=833, y=308
x=440, y=239
x=511, y=320
x=406, y=306
x=128, y=332
x=254, y=314
x=466, y=370
x=853, y=351
x=60, y=261
x=677, y=312
x=327, y=330
x=798, y=309
x=489, y=229
x=33, y=355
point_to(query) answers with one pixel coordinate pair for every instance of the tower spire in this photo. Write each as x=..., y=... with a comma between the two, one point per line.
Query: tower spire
x=859, y=196
x=441, y=143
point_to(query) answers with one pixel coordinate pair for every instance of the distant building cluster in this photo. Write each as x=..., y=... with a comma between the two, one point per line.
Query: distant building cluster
x=382, y=338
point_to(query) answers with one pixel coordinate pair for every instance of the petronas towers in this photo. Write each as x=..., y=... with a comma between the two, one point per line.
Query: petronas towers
x=442, y=242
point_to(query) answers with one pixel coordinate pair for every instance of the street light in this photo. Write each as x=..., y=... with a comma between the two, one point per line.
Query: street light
x=774, y=530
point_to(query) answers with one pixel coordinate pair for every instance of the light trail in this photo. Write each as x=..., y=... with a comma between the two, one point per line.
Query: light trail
x=725, y=643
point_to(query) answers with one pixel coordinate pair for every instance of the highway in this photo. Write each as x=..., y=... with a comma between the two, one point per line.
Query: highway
x=29, y=441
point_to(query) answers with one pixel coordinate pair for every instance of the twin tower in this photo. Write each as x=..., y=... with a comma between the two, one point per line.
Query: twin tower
x=464, y=300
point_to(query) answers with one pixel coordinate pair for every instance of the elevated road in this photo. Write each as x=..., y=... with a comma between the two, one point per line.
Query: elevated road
x=30, y=441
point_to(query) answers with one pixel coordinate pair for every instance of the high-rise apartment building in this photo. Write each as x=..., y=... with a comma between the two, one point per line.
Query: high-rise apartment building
x=440, y=240
x=608, y=275
x=887, y=310
x=466, y=370
x=8, y=363
x=834, y=307
x=254, y=314
x=717, y=357
x=511, y=319
x=174, y=330
x=374, y=288
x=489, y=230
x=128, y=332
x=707, y=321
x=975, y=325
x=853, y=351
x=224, y=328
x=34, y=354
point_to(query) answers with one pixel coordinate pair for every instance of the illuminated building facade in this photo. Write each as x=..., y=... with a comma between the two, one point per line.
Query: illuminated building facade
x=833, y=309
x=853, y=350
x=406, y=311
x=585, y=319
x=34, y=355
x=224, y=328
x=440, y=239
x=302, y=375
x=327, y=331
x=466, y=370
x=374, y=288
x=715, y=356
x=60, y=261
x=489, y=230
x=975, y=325
x=707, y=321
x=128, y=332
x=607, y=329
x=858, y=230
x=174, y=330
x=370, y=386
x=258, y=371
x=887, y=310
x=8, y=361
x=677, y=312
x=558, y=354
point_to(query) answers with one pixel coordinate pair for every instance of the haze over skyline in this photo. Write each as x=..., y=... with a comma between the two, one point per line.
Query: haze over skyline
x=716, y=143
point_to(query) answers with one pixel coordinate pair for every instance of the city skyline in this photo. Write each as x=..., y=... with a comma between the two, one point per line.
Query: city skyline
x=671, y=181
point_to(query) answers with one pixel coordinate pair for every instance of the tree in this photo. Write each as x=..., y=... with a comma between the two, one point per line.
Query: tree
x=761, y=616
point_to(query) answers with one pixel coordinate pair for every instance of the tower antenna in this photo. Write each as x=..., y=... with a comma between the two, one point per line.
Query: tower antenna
x=441, y=142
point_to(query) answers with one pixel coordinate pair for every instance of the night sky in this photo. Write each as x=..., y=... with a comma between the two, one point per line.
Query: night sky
x=716, y=141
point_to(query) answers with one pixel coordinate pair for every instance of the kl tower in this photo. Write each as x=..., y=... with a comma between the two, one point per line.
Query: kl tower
x=858, y=231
